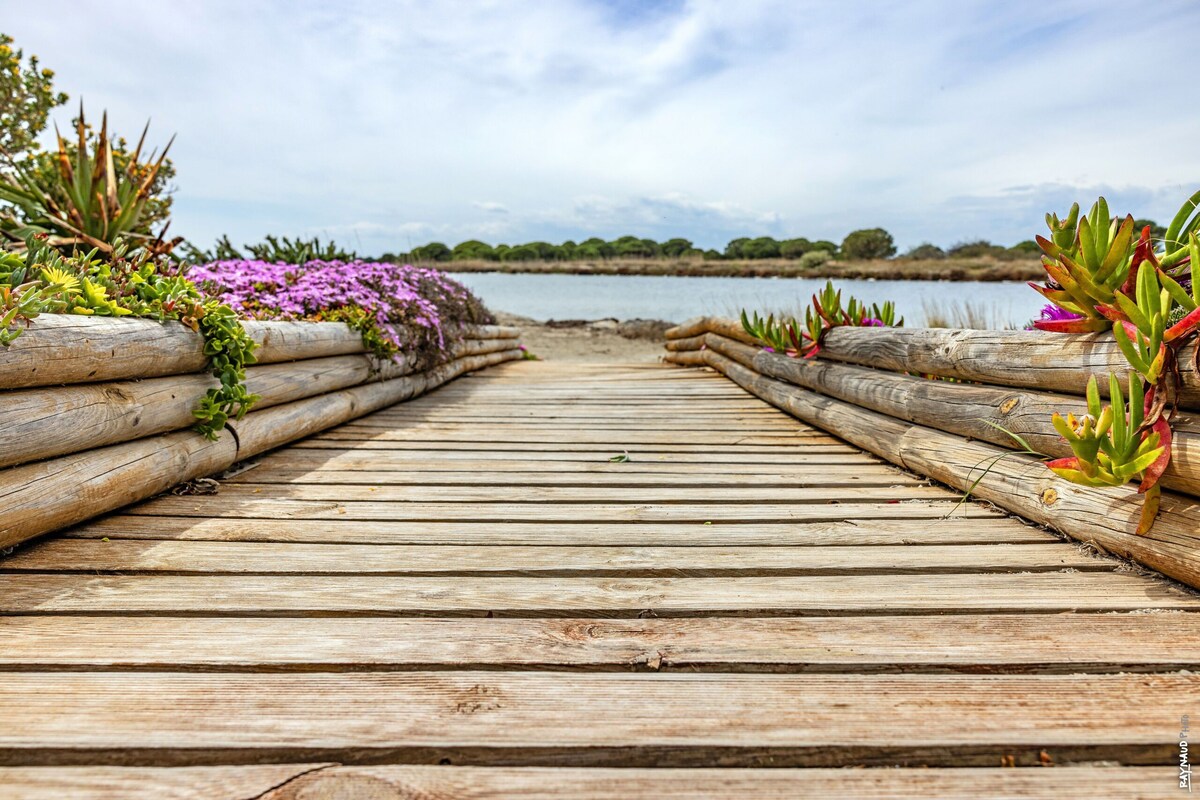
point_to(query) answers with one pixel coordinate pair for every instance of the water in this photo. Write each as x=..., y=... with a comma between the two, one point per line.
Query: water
x=543, y=297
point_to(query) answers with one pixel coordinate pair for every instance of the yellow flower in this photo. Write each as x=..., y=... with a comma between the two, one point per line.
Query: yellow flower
x=61, y=279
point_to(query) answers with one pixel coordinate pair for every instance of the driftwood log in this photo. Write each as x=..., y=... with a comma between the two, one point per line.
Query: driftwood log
x=923, y=426
x=1022, y=359
x=47, y=495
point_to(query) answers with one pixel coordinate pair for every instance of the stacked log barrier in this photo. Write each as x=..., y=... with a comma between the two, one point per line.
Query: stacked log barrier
x=120, y=431
x=859, y=390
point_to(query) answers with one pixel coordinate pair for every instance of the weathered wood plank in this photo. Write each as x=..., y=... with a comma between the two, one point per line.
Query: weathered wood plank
x=865, y=491
x=824, y=475
x=468, y=435
x=782, y=450
x=156, y=783
x=397, y=782
x=975, y=643
x=257, y=507
x=977, y=526
x=1038, y=592
x=489, y=717
x=187, y=557
x=313, y=452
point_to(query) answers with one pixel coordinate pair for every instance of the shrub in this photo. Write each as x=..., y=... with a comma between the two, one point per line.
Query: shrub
x=980, y=248
x=868, y=243
x=925, y=252
x=825, y=245
x=27, y=97
x=1028, y=247
x=813, y=259
x=289, y=251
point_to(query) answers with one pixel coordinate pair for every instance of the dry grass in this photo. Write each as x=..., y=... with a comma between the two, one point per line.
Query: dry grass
x=964, y=314
x=975, y=269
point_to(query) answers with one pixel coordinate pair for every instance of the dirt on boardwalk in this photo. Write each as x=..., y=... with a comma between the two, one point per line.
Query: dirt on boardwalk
x=591, y=340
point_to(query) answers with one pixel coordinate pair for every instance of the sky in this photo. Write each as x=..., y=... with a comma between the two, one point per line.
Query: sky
x=386, y=125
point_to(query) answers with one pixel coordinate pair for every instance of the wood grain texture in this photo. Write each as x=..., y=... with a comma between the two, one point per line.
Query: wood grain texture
x=362, y=618
x=970, y=643
x=971, y=410
x=494, y=717
x=68, y=348
x=48, y=495
x=980, y=526
x=1034, y=592
x=1025, y=359
x=181, y=557
x=406, y=782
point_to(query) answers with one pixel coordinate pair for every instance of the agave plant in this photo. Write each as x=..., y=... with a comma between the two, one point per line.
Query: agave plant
x=1115, y=444
x=86, y=202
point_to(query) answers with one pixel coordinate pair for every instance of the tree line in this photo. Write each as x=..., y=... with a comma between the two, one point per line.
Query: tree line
x=868, y=243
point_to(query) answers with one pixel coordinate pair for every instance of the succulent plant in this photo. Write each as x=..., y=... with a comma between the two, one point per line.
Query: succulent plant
x=1115, y=444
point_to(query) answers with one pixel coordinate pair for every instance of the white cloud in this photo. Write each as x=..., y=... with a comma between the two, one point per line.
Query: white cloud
x=702, y=119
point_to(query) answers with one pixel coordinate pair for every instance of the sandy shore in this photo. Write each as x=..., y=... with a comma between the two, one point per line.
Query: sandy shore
x=591, y=340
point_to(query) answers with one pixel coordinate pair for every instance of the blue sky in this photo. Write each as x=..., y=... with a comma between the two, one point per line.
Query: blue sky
x=389, y=124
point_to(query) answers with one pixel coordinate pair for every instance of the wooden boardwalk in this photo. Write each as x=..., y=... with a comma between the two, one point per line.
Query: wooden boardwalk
x=464, y=596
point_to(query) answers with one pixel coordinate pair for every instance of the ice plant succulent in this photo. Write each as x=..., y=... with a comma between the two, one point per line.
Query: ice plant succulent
x=824, y=314
x=397, y=309
x=1113, y=445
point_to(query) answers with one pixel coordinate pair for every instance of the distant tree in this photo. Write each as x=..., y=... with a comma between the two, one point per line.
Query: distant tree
x=1027, y=247
x=434, y=251
x=826, y=246
x=925, y=252
x=979, y=248
x=712, y=255
x=794, y=248
x=868, y=243
x=1156, y=231
x=692, y=252
x=633, y=247
x=544, y=250
x=597, y=245
x=734, y=248
x=762, y=247
x=567, y=251
x=473, y=250
x=522, y=252
x=674, y=248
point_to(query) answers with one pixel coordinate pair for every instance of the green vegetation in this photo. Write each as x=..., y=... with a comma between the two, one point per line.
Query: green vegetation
x=27, y=97
x=273, y=249
x=870, y=244
x=119, y=283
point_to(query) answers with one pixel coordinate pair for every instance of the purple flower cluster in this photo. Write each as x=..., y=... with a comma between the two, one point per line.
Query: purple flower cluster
x=398, y=309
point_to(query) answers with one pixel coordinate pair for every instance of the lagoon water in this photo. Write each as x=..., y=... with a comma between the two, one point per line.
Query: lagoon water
x=544, y=297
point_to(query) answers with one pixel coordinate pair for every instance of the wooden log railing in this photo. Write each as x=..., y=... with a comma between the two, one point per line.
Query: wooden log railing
x=1021, y=359
x=940, y=429
x=76, y=451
